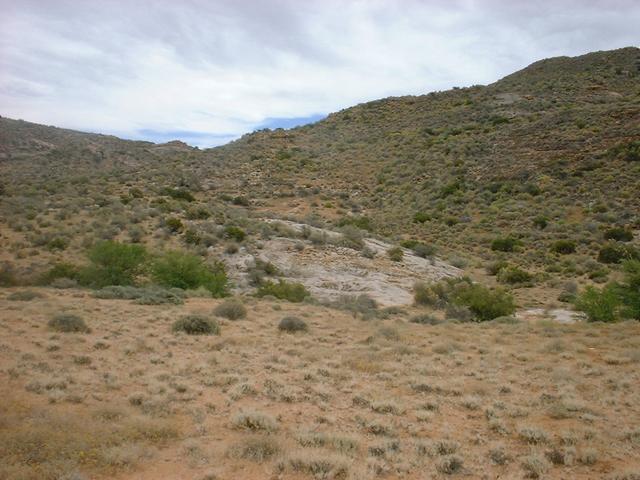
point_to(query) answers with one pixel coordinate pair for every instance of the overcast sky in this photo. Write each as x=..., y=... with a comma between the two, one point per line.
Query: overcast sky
x=208, y=71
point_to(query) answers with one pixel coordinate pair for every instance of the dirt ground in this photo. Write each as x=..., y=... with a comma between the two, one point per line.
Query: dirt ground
x=349, y=398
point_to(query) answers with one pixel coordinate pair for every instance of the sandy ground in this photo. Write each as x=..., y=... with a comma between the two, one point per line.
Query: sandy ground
x=347, y=399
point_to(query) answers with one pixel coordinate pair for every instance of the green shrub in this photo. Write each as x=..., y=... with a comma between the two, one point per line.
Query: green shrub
x=420, y=249
x=629, y=152
x=186, y=271
x=57, y=243
x=232, y=309
x=514, y=275
x=178, y=193
x=619, y=234
x=174, y=224
x=352, y=237
x=260, y=270
x=292, y=324
x=60, y=270
x=68, y=323
x=7, y=276
x=495, y=267
x=629, y=290
x=113, y=263
x=541, y=222
x=192, y=237
x=291, y=291
x=423, y=295
x=505, y=244
x=196, y=325
x=563, y=247
x=235, y=233
x=242, y=201
x=485, y=304
x=198, y=213
x=395, y=254
x=615, y=253
x=421, y=217
x=361, y=222
x=425, y=319
x=599, y=305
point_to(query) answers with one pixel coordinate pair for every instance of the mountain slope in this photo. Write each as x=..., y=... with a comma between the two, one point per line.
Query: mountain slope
x=548, y=154
x=474, y=163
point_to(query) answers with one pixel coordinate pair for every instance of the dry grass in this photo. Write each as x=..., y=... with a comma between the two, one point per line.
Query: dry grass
x=349, y=399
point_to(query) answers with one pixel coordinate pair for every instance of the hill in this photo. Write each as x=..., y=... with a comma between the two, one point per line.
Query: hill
x=532, y=170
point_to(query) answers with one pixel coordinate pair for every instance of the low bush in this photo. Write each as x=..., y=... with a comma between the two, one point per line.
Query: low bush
x=361, y=222
x=495, y=267
x=142, y=295
x=260, y=270
x=619, y=234
x=421, y=217
x=258, y=448
x=24, y=296
x=505, y=244
x=235, y=233
x=255, y=422
x=629, y=152
x=58, y=243
x=613, y=252
x=7, y=275
x=232, y=309
x=423, y=295
x=196, y=325
x=178, y=193
x=291, y=291
x=352, y=237
x=68, y=323
x=426, y=319
x=563, y=247
x=514, y=275
x=60, y=270
x=357, y=304
x=540, y=222
x=174, y=224
x=395, y=254
x=186, y=271
x=292, y=324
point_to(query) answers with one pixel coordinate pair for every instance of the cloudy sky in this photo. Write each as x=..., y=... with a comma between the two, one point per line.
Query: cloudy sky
x=207, y=71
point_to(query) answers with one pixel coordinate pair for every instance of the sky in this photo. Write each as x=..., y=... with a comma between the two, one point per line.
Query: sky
x=206, y=72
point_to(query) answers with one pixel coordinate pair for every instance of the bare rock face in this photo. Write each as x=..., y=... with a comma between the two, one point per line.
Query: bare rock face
x=329, y=271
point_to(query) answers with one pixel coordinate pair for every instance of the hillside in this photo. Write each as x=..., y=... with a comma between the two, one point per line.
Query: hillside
x=544, y=155
x=462, y=167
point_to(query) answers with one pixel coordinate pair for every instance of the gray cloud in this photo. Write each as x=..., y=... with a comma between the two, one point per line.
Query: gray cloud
x=212, y=70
